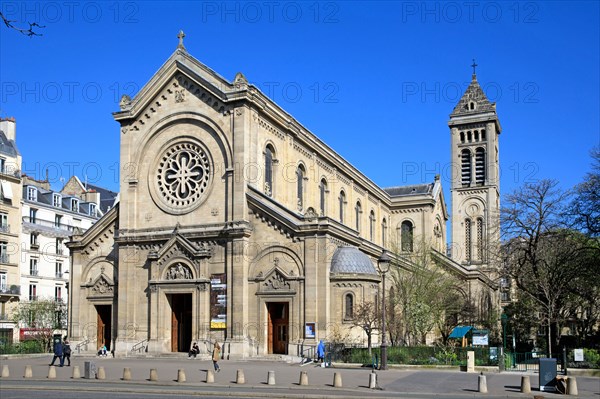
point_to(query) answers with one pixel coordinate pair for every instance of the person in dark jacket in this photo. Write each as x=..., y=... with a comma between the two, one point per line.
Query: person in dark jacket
x=67, y=352
x=58, y=353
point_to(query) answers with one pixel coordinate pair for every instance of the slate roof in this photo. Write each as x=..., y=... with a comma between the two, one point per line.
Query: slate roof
x=349, y=260
x=473, y=93
x=415, y=189
x=107, y=197
x=7, y=147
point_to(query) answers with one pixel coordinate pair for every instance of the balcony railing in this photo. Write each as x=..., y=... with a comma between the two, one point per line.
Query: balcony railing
x=59, y=275
x=33, y=272
x=4, y=258
x=5, y=228
x=47, y=223
x=33, y=297
x=4, y=316
x=10, y=171
x=10, y=289
x=59, y=251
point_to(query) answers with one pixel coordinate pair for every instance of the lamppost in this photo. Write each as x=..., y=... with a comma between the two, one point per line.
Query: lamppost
x=502, y=363
x=383, y=264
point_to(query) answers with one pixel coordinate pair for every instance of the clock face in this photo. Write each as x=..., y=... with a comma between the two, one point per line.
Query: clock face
x=182, y=177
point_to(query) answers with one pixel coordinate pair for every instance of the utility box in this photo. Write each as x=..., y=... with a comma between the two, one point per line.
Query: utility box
x=547, y=374
x=89, y=370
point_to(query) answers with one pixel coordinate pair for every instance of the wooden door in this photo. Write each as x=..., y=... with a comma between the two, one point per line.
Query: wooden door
x=181, y=322
x=278, y=329
x=104, y=329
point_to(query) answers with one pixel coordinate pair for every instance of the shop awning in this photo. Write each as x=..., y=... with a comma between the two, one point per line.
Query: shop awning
x=460, y=331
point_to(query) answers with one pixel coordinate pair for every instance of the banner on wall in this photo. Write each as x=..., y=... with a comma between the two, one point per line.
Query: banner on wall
x=218, y=302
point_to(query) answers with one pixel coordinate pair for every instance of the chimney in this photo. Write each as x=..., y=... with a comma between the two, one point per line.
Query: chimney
x=9, y=127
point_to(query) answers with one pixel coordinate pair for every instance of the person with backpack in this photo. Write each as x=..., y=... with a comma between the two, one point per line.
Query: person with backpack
x=67, y=352
x=58, y=352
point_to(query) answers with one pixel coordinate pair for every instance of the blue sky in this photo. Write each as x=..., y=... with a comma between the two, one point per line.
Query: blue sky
x=375, y=80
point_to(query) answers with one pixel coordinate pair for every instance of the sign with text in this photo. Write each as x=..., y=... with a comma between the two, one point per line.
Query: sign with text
x=218, y=301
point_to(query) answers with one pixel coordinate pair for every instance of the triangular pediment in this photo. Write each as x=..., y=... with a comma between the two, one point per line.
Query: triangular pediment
x=178, y=245
x=101, y=286
x=473, y=101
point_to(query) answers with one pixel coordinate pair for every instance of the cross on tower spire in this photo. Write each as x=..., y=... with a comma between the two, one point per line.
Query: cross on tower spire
x=181, y=35
x=474, y=66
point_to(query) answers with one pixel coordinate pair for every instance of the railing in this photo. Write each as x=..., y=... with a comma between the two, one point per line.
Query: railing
x=59, y=275
x=5, y=228
x=33, y=297
x=33, y=272
x=141, y=346
x=10, y=171
x=3, y=316
x=82, y=343
x=13, y=289
x=47, y=223
x=4, y=258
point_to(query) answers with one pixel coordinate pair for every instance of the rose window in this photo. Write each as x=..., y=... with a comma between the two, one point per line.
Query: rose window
x=183, y=175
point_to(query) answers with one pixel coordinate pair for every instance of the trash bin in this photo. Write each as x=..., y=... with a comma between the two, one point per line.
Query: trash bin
x=547, y=374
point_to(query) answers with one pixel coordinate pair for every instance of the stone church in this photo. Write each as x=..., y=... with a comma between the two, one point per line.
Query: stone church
x=236, y=223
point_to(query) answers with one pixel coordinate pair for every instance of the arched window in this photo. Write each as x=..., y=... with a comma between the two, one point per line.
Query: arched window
x=465, y=167
x=269, y=156
x=462, y=137
x=358, y=211
x=469, y=136
x=300, y=185
x=384, y=233
x=480, y=239
x=348, y=306
x=483, y=135
x=342, y=204
x=371, y=225
x=322, y=196
x=468, y=240
x=476, y=135
x=406, y=236
x=480, y=166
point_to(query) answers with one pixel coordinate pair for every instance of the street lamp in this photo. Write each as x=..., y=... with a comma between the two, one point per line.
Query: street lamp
x=383, y=264
x=504, y=318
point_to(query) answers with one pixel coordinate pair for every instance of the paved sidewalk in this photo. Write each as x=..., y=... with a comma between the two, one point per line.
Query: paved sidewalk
x=355, y=381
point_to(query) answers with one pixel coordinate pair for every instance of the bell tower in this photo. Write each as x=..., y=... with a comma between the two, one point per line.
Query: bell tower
x=475, y=186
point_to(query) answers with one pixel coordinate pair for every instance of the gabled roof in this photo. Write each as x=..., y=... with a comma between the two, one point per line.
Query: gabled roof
x=7, y=147
x=473, y=94
x=415, y=189
x=107, y=197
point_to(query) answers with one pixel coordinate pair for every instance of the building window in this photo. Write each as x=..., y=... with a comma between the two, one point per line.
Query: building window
x=3, y=284
x=483, y=135
x=56, y=200
x=31, y=194
x=2, y=165
x=342, y=205
x=406, y=236
x=4, y=227
x=468, y=240
x=93, y=210
x=505, y=296
x=384, y=233
x=58, y=269
x=269, y=155
x=57, y=220
x=480, y=166
x=3, y=252
x=323, y=196
x=300, y=172
x=59, y=246
x=58, y=293
x=465, y=167
x=74, y=204
x=462, y=137
x=371, y=225
x=358, y=211
x=33, y=240
x=348, y=307
x=32, y=292
x=33, y=267
x=32, y=215
x=480, y=240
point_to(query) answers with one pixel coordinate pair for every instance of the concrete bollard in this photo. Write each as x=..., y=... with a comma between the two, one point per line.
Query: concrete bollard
x=372, y=380
x=52, y=372
x=470, y=361
x=210, y=376
x=482, y=384
x=76, y=372
x=28, y=372
x=525, y=384
x=271, y=377
x=153, y=375
x=101, y=374
x=337, y=380
x=572, y=386
x=239, y=379
x=126, y=374
x=303, y=378
x=181, y=375
x=5, y=371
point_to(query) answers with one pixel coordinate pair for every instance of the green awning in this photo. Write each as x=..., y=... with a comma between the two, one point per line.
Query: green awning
x=460, y=331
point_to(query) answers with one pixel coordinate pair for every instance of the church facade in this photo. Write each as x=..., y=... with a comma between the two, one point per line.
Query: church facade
x=236, y=223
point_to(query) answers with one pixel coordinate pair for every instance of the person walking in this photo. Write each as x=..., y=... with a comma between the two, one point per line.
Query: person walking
x=67, y=352
x=58, y=352
x=216, y=356
x=321, y=352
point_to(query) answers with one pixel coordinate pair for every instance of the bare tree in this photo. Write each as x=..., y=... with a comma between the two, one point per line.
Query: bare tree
x=585, y=207
x=10, y=24
x=368, y=317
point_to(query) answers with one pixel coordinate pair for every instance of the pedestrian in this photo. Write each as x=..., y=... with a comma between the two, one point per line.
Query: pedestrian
x=58, y=353
x=216, y=356
x=67, y=352
x=321, y=352
x=194, y=350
